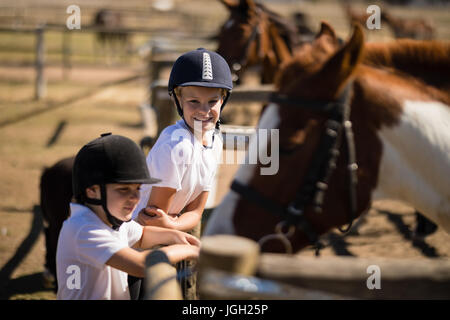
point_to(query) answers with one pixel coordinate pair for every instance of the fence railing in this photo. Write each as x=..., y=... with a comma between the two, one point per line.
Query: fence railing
x=40, y=47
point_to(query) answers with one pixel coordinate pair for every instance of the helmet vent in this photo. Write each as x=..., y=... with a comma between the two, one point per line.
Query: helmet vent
x=207, y=67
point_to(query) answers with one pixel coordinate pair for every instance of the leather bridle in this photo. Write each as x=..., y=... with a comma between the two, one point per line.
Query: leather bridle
x=315, y=184
x=254, y=36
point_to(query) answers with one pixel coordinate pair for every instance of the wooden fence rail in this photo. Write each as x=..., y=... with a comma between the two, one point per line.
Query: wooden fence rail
x=324, y=277
x=40, y=48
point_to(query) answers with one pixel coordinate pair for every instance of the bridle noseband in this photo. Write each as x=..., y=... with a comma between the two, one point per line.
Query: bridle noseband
x=315, y=185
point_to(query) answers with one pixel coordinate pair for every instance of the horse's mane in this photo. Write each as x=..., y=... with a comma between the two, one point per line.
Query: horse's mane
x=427, y=60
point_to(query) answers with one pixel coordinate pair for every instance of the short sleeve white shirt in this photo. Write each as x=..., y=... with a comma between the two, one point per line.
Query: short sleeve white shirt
x=182, y=163
x=85, y=244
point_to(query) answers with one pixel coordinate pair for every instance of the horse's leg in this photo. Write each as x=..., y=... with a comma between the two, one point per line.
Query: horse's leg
x=49, y=276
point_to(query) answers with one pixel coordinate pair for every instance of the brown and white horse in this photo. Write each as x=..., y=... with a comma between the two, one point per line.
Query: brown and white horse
x=253, y=35
x=400, y=142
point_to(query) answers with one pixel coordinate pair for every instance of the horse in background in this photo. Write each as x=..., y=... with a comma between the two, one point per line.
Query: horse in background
x=419, y=29
x=343, y=144
x=112, y=42
x=253, y=36
x=302, y=24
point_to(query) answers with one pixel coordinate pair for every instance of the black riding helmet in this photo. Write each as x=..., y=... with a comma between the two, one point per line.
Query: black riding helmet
x=108, y=159
x=201, y=68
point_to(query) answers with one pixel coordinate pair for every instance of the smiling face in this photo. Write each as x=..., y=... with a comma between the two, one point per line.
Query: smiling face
x=201, y=105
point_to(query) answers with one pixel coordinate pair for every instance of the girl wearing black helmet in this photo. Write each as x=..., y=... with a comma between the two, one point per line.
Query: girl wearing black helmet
x=95, y=247
x=187, y=153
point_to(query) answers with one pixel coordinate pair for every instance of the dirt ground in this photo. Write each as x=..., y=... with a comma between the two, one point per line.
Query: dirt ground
x=88, y=102
x=30, y=142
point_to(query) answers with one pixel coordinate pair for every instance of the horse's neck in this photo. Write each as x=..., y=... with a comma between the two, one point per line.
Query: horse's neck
x=415, y=162
x=413, y=130
x=425, y=60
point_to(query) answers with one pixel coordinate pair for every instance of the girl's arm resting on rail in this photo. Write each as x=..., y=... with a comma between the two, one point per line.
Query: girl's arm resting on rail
x=133, y=262
x=156, y=212
x=153, y=236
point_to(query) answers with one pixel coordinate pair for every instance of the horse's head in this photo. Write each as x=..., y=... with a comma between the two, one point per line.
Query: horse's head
x=254, y=35
x=314, y=188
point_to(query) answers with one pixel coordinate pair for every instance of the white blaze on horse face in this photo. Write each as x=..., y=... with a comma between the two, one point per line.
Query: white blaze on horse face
x=415, y=163
x=221, y=220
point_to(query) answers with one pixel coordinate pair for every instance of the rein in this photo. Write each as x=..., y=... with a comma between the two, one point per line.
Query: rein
x=315, y=185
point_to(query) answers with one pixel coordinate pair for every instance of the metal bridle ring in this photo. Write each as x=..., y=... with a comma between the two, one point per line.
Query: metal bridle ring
x=277, y=236
x=279, y=229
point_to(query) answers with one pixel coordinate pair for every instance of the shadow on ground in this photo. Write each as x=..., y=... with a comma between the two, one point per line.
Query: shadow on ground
x=29, y=283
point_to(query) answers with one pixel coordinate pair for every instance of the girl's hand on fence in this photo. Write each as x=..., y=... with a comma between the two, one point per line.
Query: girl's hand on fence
x=180, y=237
x=178, y=252
x=153, y=216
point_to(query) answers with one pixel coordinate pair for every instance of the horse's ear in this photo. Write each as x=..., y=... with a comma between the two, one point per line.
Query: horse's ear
x=342, y=64
x=325, y=28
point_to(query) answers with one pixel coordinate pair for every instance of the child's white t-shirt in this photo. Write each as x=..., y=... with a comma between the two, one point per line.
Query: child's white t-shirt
x=182, y=163
x=85, y=244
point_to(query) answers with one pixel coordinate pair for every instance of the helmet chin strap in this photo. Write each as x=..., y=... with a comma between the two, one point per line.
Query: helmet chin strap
x=115, y=222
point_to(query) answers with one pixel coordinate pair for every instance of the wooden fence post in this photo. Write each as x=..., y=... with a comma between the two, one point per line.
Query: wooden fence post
x=227, y=253
x=166, y=112
x=40, y=85
x=160, y=278
x=66, y=52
